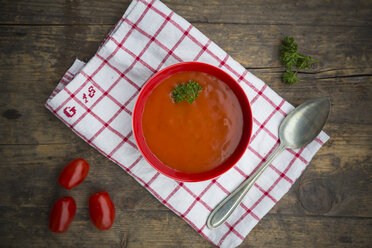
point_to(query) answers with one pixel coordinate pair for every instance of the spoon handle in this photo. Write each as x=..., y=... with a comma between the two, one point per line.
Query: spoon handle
x=226, y=207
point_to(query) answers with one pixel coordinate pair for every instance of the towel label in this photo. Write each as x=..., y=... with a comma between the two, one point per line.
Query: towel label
x=69, y=112
x=91, y=93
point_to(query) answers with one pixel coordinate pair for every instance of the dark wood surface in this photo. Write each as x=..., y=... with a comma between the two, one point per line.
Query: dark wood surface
x=329, y=206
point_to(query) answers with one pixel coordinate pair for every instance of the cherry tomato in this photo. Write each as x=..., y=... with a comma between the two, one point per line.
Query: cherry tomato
x=73, y=173
x=101, y=210
x=63, y=211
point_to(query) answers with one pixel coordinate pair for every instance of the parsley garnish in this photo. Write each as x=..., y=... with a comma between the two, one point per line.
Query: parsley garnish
x=186, y=91
x=291, y=58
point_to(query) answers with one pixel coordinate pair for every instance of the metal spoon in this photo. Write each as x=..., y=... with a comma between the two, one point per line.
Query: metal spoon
x=298, y=129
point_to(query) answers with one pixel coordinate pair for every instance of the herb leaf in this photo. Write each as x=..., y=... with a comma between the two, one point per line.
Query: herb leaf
x=291, y=58
x=289, y=54
x=289, y=77
x=186, y=91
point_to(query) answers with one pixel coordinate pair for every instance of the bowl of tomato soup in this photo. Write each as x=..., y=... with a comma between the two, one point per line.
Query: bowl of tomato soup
x=195, y=141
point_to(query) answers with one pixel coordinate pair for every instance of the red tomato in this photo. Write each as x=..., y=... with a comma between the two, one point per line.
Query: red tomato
x=74, y=173
x=101, y=210
x=63, y=211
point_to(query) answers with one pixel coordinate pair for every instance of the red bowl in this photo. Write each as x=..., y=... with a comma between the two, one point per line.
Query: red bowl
x=140, y=104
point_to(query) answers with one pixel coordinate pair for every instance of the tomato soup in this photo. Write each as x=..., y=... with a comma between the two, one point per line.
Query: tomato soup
x=195, y=137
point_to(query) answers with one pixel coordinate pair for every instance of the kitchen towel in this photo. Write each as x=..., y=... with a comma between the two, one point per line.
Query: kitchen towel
x=96, y=101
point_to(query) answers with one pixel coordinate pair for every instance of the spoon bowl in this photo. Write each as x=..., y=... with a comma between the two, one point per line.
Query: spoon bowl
x=302, y=125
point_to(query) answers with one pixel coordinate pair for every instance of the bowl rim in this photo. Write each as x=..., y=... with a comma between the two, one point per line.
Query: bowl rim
x=145, y=151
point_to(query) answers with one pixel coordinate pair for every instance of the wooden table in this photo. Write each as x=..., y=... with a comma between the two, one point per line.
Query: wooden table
x=329, y=206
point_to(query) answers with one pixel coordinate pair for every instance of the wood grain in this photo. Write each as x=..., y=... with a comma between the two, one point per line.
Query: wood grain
x=165, y=229
x=329, y=206
x=312, y=13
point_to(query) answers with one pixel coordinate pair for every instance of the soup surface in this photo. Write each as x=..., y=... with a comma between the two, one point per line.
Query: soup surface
x=193, y=137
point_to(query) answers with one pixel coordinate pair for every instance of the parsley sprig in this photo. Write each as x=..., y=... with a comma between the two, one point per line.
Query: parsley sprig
x=291, y=58
x=186, y=91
